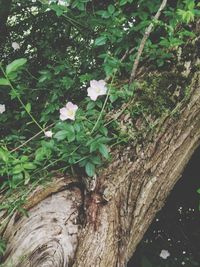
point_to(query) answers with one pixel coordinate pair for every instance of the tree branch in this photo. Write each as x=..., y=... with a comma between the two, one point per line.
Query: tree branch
x=144, y=39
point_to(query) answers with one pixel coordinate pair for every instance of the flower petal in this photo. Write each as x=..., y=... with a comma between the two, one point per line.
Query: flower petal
x=164, y=254
x=48, y=134
x=63, y=117
x=102, y=83
x=63, y=110
x=93, y=83
x=2, y=108
x=92, y=93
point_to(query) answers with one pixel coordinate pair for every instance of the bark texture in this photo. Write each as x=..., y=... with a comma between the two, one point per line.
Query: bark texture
x=48, y=237
x=102, y=228
x=136, y=189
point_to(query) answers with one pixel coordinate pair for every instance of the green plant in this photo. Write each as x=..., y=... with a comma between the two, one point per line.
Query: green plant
x=56, y=49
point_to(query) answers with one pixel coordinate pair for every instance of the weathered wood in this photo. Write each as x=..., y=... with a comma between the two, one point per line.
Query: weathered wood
x=48, y=237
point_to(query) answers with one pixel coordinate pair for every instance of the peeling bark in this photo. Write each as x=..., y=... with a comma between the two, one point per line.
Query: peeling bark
x=48, y=237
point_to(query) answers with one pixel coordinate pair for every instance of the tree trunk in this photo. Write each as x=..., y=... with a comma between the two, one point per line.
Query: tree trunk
x=70, y=227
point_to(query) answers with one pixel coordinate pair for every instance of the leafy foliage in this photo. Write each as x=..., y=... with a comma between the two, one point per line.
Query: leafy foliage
x=52, y=50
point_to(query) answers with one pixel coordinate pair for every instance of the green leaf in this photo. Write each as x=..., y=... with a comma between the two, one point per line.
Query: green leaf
x=81, y=6
x=123, y=2
x=103, y=150
x=85, y=77
x=24, y=159
x=94, y=145
x=27, y=177
x=198, y=191
x=15, y=65
x=4, y=155
x=191, y=5
x=16, y=179
x=100, y=40
x=61, y=135
x=17, y=169
x=96, y=160
x=103, y=13
x=70, y=133
x=103, y=130
x=42, y=153
x=67, y=133
x=58, y=9
x=90, y=169
x=4, y=81
x=28, y=107
x=111, y=9
x=90, y=105
x=29, y=166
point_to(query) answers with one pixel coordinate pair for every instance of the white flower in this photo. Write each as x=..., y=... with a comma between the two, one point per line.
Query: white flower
x=96, y=89
x=15, y=46
x=60, y=2
x=164, y=254
x=63, y=2
x=68, y=112
x=48, y=134
x=2, y=108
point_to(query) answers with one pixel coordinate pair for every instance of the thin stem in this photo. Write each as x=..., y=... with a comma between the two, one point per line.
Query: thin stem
x=104, y=104
x=57, y=160
x=31, y=138
x=21, y=102
x=67, y=167
x=31, y=75
x=144, y=39
x=100, y=115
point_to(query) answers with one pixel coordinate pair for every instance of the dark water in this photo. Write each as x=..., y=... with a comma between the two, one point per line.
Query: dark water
x=176, y=228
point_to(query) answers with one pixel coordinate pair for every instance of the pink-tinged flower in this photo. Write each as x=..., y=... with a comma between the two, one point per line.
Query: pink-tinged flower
x=48, y=134
x=15, y=46
x=96, y=89
x=2, y=108
x=164, y=254
x=60, y=2
x=68, y=112
x=63, y=3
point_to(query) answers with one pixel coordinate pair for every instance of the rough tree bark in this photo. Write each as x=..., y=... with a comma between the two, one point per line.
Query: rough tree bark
x=65, y=227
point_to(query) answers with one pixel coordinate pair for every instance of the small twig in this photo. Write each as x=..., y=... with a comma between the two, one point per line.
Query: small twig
x=128, y=52
x=125, y=55
x=144, y=39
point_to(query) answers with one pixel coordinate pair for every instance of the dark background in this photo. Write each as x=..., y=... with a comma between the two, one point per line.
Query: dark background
x=176, y=227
